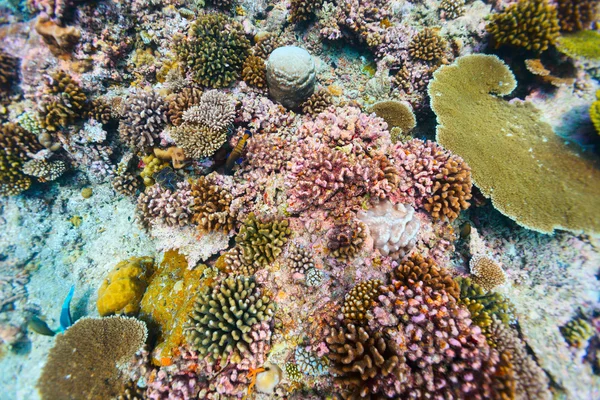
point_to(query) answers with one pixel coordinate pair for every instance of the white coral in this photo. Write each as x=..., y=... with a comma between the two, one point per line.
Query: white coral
x=393, y=228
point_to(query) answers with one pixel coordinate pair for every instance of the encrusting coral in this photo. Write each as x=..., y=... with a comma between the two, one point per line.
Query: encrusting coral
x=427, y=45
x=212, y=206
x=63, y=101
x=529, y=24
x=214, y=50
x=84, y=360
x=123, y=288
x=531, y=175
x=144, y=117
x=360, y=299
x=223, y=319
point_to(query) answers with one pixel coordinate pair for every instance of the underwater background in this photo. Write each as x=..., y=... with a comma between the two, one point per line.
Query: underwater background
x=321, y=199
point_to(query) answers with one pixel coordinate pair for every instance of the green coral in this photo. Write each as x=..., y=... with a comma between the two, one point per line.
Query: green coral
x=529, y=24
x=222, y=319
x=12, y=180
x=582, y=44
x=577, y=332
x=214, y=50
x=529, y=172
x=595, y=112
x=482, y=305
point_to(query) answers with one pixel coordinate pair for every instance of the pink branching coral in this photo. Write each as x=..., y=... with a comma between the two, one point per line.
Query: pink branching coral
x=347, y=125
x=261, y=114
x=159, y=205
x=270, y=152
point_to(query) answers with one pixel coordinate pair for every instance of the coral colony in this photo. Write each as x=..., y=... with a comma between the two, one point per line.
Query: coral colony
x=321, y=199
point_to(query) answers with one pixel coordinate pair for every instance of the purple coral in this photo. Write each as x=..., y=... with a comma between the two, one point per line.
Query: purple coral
x=159, y=205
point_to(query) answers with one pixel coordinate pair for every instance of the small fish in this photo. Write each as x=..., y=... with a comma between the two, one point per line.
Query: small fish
x=65, y=315
x=40, y=326
x=236, y=152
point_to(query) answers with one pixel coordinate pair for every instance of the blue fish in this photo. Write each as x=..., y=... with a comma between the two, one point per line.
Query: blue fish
x=65, y=315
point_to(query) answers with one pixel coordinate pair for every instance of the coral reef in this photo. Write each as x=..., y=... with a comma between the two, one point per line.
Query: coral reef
x=318, y=102
x=59, y=39
x=261, y=242
x=62, y=103
x=301, y=11
x=84, y=360
x=595, y=112
x=44, y=170
x=506, y=170
x=158, y=205
x=239, y=305
x=486, y=272
x=580, y=45
x=484, y=307
x=578, y=332
x=396, y=115
x=427, y=45
x=451, y=190
x=122, y=290
x=254, y=71
x=530, y=24
x=346, y=239
x=300, y=260
x=180, y=102
x=417, y=269
x=214, y=50
x=8, y=70
x=452, y=9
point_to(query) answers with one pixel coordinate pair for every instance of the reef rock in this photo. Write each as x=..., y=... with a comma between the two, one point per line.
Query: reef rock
x=290, y=75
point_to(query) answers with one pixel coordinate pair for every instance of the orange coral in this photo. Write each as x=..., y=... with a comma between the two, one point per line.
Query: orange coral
x=60, y=40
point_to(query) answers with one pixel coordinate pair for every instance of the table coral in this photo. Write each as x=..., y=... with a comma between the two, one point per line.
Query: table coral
x=123, y=288
x=521, y=172
x=530, y=24
x=214, y=50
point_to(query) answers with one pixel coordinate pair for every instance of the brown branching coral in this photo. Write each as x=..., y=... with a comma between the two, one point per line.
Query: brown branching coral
x=452, y=9
x=300, y=260
x=576, y=15
x=15, y=140
x=427, y=45
x=12, y=180
x=212, y=206
x=265, y=44
x=63, y=102
x=214, y=50
x=44, y=170
x=8, y=70
x=360, y=299
x=126, y=184
x=100, y=110
x=180, y=102
x=144, y=117
x=346, y=239
x=486, y=272
x=198, y=141
x=577, y=332
x=531, y=381
x=262, y=242
x=303, y=10
x=317, y=103
x=418, y=269
x=451, y=190
x=359, y=357
x=254, y=72
x=84, y=361
x=529, y=24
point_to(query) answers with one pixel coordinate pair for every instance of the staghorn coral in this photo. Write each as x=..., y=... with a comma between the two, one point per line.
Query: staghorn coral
x=44, y=170
x=531, y=381
x=144, y=115
x=126, y=184
x=369, y=363
x=346, y=239
x=180, y=102
x=84, y=361
x=577, y=332
x=317, y=103
x=486, y=272
x=254, y=72
x=214, y=50
x=300, y=259
x=451, y=190
x=577, y=15
x=63, y=101
x=529, y=24
x=394, y=228
x=216, y=111
x=123, y=288
x=223, y=319
x=163, y=206
x=484, y=307
x=212, y=206
x=303, y=10
x=418, y=269
x=8, y=70
x=427, y=45
x=360, y=299
x=519, y=172
x=452, y=9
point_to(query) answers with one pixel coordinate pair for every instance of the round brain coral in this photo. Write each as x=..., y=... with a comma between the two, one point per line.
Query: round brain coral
x=530, y=24
x=214, y=50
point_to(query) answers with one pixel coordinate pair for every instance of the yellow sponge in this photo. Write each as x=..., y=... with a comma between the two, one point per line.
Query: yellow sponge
x=123, y=289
